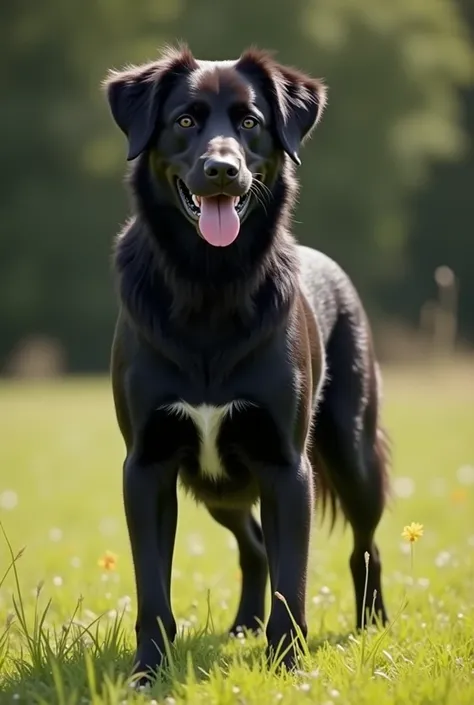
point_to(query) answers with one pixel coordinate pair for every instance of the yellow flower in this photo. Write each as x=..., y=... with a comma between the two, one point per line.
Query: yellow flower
x=459, y=495
x=108, y=561
x=413, y=532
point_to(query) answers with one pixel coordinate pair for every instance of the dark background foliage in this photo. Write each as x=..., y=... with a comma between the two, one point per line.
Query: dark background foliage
x=388, y=178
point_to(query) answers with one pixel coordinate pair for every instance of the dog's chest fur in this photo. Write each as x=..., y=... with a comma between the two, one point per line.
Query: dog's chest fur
x=208, y=421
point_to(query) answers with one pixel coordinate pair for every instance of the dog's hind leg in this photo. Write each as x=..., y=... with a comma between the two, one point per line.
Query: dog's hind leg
x=253, y=563
x=349, y=457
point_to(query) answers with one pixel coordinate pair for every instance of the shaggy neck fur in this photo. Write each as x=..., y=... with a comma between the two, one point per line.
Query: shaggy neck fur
x=161, y=258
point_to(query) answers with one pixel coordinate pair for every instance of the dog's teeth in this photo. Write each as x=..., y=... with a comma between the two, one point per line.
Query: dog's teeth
x=196, y=200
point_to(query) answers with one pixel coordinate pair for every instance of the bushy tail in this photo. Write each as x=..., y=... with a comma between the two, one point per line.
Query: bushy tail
x=326, y=494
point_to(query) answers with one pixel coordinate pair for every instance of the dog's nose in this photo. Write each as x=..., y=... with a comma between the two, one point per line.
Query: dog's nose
x=221, y=170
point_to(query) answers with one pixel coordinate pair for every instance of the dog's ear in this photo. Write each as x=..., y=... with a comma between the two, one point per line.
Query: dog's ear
x=136, y=93
x=297, y=100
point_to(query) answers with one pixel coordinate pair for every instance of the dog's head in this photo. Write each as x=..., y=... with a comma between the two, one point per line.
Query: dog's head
x=215, y=132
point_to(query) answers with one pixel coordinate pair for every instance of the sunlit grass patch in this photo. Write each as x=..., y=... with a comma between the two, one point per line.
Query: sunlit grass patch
x=67, y=603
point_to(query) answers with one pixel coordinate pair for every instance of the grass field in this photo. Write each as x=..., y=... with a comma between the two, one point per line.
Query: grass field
x=60, y=500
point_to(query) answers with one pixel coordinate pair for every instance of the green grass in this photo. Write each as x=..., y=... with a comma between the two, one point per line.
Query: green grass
x=71, y=638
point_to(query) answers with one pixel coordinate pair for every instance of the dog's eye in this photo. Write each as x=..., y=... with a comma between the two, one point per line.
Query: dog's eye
x=249, y=123
x=185, y=121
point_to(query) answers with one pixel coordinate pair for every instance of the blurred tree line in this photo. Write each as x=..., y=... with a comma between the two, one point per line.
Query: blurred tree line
x=387, y=179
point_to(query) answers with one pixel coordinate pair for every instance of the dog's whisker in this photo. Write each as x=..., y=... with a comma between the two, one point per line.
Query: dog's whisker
x=258, y=185
x=257, y=188
x=258, y=197
x=262, y=187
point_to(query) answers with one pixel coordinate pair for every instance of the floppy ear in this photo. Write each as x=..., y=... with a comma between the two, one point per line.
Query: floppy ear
x=297, y=100
x=135, y=95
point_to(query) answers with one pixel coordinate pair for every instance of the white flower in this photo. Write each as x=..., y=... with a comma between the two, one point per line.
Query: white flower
x=404, y=487
x=55, y=534
x=124, y=603
x=8, y=499
x=443, y=559
x=195, y=545
x=108, y=526
x=465, y=475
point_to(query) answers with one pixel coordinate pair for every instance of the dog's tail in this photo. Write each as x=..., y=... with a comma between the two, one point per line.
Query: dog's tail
x=383, y=443
x=326, y=494
x=383, y=453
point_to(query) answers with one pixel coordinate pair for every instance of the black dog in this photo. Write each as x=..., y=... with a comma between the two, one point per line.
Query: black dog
x=242, y=363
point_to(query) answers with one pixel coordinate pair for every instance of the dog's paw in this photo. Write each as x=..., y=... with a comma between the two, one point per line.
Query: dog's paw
x=148, y=661
x=142, y=682
x=290, y=660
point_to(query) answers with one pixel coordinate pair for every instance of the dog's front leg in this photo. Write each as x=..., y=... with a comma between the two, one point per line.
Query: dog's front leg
x=286, y=496
x=151, y=509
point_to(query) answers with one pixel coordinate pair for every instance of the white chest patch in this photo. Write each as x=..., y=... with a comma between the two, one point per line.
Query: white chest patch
x=208, y=421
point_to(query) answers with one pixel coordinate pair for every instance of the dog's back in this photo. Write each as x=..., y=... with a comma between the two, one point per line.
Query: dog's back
x=329, y=290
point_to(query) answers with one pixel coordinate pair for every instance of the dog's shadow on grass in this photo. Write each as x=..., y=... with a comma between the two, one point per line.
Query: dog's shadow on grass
x=316, y=643
x=211, y=651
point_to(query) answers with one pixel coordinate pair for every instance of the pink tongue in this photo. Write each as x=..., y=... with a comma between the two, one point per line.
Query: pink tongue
x=219, y=222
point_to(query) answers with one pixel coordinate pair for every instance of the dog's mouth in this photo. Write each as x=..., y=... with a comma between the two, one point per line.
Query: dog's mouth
x=218, y=217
